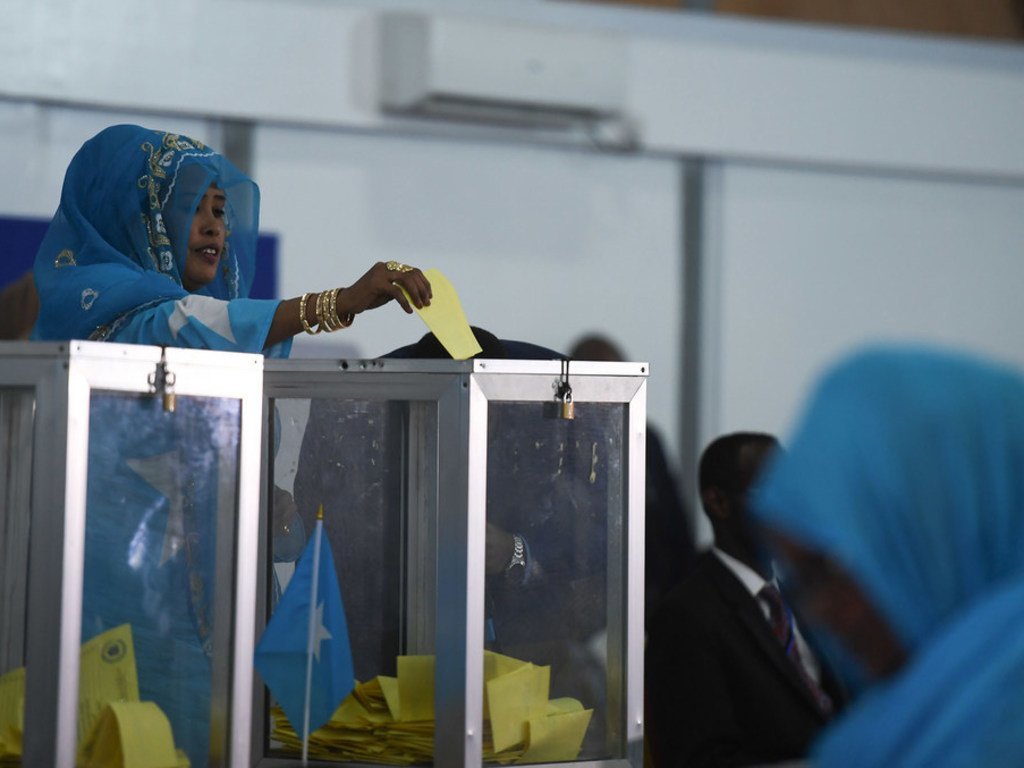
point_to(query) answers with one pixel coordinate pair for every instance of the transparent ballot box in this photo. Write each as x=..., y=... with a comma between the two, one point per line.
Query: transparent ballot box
x=129, y=503
x=484, y=523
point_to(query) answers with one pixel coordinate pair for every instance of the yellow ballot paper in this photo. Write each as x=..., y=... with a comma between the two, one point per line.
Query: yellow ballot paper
x=445, y=318
x=416, y=687
x=116, y=730
x=497, y=664
x=514, y=699
x=12, y=698
x=390, y=720
x=106, y=673
x=557, y=737
x=131, y=734
x=389, y=690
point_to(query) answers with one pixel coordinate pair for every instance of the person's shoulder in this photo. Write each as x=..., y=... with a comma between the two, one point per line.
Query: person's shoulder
x=401, y=353
x=526, y=350
x=19, y=306
x=510, y=349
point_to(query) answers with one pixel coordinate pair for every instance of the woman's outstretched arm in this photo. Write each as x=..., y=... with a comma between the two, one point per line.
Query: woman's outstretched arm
x=377, y=287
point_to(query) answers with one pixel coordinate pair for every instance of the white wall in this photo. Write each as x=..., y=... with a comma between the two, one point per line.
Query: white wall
x=811, y=264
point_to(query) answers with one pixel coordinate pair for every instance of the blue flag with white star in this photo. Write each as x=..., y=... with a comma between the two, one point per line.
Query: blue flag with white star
x=306, y=642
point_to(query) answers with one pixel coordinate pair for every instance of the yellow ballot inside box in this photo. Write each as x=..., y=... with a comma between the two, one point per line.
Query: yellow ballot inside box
x=115, y=729
x=390, y=720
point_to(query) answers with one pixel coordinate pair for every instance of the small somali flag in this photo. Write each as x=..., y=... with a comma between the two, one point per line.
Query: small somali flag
x=304, y=655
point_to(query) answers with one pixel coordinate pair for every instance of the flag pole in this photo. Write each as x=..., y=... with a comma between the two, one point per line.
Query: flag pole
x=310, y=637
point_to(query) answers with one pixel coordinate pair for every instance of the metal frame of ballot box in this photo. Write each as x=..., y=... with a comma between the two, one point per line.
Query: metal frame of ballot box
x=56, y=386
x=445, y=407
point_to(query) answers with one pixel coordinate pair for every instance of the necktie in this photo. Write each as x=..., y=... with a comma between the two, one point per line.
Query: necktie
x=781, y=620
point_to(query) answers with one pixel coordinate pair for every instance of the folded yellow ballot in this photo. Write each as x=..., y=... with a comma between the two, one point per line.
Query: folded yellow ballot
x=106, y=673
x=390, y=720
x=514, y=699
x=556, y=737
x=131, y=734
x=12, y=707
x=115, y=729
x=416, y=687
x=445, y=318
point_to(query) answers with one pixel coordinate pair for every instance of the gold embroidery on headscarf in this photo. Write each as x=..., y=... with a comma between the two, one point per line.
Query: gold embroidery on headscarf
x=149, y=183
x=158, y=161
x=65, y=258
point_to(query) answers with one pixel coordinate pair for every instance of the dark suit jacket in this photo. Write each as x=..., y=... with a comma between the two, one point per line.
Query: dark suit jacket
x=719, y=687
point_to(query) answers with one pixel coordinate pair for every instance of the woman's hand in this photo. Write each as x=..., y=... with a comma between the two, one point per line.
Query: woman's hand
x=377, y=287
x=381, y=284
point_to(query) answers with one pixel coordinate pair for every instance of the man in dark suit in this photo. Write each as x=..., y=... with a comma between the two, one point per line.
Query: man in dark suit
x=730, y=678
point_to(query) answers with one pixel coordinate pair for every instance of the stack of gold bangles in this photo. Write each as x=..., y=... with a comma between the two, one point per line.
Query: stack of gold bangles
x=327, y=318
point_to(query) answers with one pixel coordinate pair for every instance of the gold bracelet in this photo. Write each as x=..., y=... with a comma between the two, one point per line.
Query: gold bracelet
x=326, y=311
x=320, y=312
x=342, y=322
x=302, y=316
x=332, y=311
x=323, y=313
x=330, y=318
x=339, y=322
x=346, y=321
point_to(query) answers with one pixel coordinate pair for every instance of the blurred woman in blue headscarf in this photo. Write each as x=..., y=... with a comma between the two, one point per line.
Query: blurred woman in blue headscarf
x=899, y=512
x=154, y=242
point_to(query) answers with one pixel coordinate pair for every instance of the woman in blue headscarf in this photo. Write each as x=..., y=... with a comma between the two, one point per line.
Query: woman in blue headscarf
x=154, y=242
x=899, y=510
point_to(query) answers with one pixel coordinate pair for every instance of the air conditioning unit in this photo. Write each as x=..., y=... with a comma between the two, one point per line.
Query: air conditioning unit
x=499, y=72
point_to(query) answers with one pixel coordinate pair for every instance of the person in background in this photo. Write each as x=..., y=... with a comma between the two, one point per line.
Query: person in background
x=19, y=304
x=730, y=677
x=154, y=242
x=899, y=510
x=669, y=550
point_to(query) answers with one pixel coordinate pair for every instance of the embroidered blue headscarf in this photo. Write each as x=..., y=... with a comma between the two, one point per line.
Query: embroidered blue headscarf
x=907, y=468
x=118, y=241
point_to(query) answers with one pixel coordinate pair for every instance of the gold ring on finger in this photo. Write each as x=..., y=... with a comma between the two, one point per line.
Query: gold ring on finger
x=397, y=266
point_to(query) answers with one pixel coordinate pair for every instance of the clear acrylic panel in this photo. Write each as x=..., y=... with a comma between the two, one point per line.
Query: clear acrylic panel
x=159, y=557
x=17, y=416
x=367, y=463
x=555, y=486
